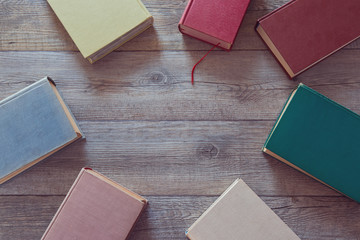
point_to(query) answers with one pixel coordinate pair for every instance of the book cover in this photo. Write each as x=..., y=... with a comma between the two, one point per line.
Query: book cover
x=35, y=123
x=99, y=27
x=239, y=214
x=95, y=208
x=320, y=138
x=304, y=32
x=215, y=22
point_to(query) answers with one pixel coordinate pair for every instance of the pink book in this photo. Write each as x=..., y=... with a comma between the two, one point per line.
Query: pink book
x=95, y=208
x=215, y=21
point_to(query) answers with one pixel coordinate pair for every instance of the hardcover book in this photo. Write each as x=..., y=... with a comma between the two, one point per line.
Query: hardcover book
x=239, y=214
x=320, y=138
x=35, y=123
x=99, y=27
x=95, y=208
x=215, y=22
x=304, y=32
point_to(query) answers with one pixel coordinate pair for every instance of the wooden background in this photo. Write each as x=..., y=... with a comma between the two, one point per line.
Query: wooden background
x=149, y=129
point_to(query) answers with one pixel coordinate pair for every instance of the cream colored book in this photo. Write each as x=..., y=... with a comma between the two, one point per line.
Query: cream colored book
x=100, y=26
x=240, y=214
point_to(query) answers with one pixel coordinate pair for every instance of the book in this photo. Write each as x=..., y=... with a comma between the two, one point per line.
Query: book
x=215, y=22
x=304, y=32
x=320, y=138
x=95, y=208
x=99, y=27
x=239, y=214
x=35, y=123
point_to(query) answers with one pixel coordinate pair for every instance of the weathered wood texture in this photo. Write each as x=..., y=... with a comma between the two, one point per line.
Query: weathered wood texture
x=167, y=158
x=31, y=25
x=167, y=217
x=243, y=85
x=150, y=130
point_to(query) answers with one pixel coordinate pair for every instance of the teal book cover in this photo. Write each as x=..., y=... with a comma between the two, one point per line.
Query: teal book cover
x=320, y=138
x=35, y=123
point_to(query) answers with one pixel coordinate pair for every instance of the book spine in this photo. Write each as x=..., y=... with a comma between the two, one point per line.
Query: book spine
x=223, y=45
x=258, y=22
x=183, y=17
x=51, y=81
x=272, y=53
x=122, y=188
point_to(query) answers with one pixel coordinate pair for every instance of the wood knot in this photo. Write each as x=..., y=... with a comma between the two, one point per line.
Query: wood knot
x=157, y=78
x=207, y=151
x=295, y=200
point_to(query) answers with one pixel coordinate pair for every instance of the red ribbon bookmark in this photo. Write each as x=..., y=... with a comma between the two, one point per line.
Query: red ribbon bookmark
x=192, y=72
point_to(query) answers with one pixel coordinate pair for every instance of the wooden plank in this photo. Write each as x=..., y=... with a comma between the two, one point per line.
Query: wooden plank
x=149, y=129
x=32, y=25
x=245, y=85
x=26, y=217
x=167, y=158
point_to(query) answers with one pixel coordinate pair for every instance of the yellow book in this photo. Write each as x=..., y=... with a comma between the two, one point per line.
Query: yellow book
x=100, y=26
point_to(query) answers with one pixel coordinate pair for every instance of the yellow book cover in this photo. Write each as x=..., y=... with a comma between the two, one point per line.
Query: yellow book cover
x=100, y=26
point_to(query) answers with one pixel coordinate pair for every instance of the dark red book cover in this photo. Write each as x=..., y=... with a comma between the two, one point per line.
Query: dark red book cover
x=304, y=32
x=213, y=21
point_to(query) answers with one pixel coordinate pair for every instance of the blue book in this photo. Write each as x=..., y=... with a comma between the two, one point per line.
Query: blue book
x=35, y=123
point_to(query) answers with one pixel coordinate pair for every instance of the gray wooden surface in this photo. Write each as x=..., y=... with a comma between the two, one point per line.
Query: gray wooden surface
x=149, y=129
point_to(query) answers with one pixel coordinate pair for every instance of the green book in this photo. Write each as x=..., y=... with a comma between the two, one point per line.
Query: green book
x=320, y=138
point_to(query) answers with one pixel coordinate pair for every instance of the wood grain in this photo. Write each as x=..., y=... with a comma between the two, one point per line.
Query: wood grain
x=167, y=158
x=167, y=217
x=248, y=85
x=150, y=130
x=31, y=25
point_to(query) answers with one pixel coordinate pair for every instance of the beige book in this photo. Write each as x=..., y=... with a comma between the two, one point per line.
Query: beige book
x=239, y=214
x=100, y=26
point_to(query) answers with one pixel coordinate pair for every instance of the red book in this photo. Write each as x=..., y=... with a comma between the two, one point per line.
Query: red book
x=213, y=21
x=304, y=32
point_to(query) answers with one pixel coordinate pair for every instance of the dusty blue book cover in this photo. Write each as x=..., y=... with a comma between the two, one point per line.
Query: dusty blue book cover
x=33, y=124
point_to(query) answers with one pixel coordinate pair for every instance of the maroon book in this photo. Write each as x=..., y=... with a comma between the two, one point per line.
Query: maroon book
x=215, y=21
x=304, y=32
x=95, y=208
